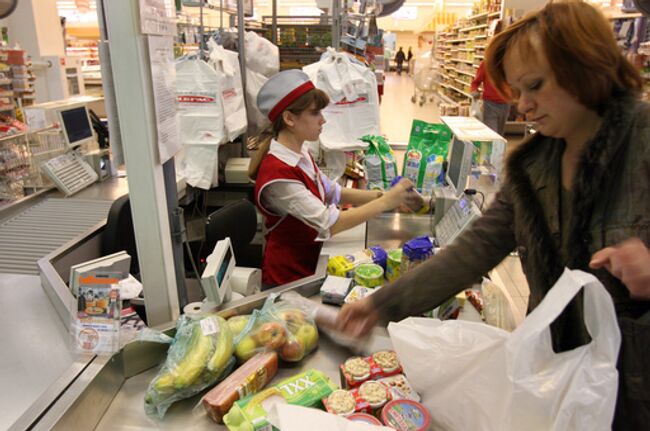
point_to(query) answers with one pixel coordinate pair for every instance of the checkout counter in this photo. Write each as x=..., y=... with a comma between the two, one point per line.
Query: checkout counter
x=107, y=393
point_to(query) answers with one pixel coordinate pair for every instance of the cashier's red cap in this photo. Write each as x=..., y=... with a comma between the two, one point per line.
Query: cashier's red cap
x=281, y=90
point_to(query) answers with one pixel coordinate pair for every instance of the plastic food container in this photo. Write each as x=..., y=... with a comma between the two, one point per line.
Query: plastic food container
x=374, y=393
x=357, y=368
x=369, y=275
x=386, y=359
x=393, y=264
x=415, y=252
x=341, y=402
x=379, y=256
x=364, y=418
x=406, y=415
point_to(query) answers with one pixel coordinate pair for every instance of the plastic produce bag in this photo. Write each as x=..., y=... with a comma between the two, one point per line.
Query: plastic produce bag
x=475, y=377
x=380, y=163
x=256, y=120
x=282, y=327
x=199, y=357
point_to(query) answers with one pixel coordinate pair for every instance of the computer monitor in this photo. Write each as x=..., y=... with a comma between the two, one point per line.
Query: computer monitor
x=76, y=125
x=215, y=279
x=459, y=164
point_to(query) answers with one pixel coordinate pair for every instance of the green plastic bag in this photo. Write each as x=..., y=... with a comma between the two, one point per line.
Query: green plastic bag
x=379, y=162
x=427, y=144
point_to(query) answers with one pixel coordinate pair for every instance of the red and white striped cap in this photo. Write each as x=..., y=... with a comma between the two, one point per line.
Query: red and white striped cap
x=281, y=90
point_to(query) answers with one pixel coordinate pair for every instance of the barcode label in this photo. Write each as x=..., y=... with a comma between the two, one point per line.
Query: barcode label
x=209, y=326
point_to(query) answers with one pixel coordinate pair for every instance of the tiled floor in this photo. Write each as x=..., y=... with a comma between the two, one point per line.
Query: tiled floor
x=397, y=112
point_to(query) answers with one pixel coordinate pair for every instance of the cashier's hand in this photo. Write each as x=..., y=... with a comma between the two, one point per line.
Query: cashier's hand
x=628, y=261
x=358, y=318
x=398, y=196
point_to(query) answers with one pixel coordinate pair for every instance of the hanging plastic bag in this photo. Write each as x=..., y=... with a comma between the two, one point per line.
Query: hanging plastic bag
x=475, y=377
x=226, y=64
x=256, y=120
x=261, y=55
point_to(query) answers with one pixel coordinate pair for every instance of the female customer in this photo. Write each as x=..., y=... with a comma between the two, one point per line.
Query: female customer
x=299, y=202
x=577, y=193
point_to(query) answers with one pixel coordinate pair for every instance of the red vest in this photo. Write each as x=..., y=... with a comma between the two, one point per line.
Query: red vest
x=291, y=251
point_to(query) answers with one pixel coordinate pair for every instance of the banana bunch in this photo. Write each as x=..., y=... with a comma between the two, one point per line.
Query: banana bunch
x=200, y=356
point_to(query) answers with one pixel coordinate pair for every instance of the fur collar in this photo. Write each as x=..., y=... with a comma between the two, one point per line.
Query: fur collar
x=593, y=176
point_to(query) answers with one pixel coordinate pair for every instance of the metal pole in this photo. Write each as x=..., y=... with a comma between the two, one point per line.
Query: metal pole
x=242, y=63
x=201, y=30
x=274, y=22
x=221, y=15
x=336, y=24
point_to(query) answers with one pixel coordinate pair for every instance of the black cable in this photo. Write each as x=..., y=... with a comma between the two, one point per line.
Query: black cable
x=472, y=192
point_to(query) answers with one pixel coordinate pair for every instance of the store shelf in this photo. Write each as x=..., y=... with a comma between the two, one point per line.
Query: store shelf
x=481, y=36
x=464, y=73
x=476, y=27
x=459, y=40
x=451, y=87
x=460, y=60
x=494, y=14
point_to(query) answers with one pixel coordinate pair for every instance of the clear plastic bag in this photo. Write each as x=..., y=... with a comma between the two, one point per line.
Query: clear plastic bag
x=200, y=355
x=283, y=327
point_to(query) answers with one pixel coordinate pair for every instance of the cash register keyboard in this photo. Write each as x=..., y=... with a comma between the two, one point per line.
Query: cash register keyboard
x=458, y=217
x=70, y=173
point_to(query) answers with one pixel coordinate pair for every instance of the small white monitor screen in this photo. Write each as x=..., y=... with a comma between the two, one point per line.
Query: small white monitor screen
x=224, y=266
x=455, y=162
x=76, y=124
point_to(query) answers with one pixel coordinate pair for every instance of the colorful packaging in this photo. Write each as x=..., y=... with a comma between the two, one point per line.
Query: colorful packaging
x=369, y=275
x=379, y=256
x=400, y=388
x=305, y=389
x=340, y=266
x=432, y=174
x=367, y=398
x=359, y=292
x=394, y=264
x=379, y=162
x=415, y=251
x=406, y=415
x=364, y=418
x=381, y=364
x=335, y=289
x=427, y=142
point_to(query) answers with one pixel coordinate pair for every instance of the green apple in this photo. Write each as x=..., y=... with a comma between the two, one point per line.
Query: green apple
x=245, y=349
x=308, y=336
x=237, y=324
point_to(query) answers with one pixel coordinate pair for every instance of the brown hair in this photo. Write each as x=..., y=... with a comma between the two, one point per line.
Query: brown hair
x=579, y=46
x=317, y=97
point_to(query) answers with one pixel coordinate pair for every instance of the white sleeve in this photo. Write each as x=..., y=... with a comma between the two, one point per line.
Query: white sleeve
x=293, y=198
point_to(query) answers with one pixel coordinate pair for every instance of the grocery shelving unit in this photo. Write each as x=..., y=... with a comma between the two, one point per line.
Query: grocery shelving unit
x=459, y=51
x=301, y=39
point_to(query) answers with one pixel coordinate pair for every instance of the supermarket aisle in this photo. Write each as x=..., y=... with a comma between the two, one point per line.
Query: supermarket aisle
x=396, y=110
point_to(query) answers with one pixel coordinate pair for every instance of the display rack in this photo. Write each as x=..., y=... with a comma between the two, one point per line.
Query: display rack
x=301, y=39
x=459, y=51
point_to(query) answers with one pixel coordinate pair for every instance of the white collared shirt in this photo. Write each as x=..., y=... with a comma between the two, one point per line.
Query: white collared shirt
x=291, y=198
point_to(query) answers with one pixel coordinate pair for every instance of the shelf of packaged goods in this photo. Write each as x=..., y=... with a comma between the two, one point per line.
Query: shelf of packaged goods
x=5, y=81
x=481, y=36
x=475, y=66
x=494, y=14
x=461, y=60
x=459, y=40
x=480, y=57
x=476, y=27
x=439, y=59
x=451, y=87
x=466, y=49
x=461, y=82
x=624, y=15
x=464, y=73
x=446, y=99
x=478, y=16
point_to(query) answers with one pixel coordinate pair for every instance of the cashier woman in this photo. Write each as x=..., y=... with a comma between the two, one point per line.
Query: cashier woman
x=576, y=194
x=298, y=201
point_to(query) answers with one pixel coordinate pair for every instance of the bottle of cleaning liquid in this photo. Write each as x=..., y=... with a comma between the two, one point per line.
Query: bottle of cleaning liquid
x=431, y=174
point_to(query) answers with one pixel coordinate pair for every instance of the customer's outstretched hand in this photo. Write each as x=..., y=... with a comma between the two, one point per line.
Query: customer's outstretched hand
x=358, y=318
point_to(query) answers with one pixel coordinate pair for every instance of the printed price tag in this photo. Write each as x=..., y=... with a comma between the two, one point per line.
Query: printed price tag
x=209, y=326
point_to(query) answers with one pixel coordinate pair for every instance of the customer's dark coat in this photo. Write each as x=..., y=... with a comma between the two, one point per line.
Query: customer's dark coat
x=611, y=202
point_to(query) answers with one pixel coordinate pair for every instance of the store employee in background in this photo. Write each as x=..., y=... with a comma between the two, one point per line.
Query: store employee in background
x=496, y=108
x=576, y=194
x=297, y=200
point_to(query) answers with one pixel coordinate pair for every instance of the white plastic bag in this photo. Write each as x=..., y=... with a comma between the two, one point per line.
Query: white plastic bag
x=475, y=377
x=261, y=55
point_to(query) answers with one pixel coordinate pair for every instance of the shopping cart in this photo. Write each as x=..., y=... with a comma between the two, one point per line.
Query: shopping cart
x=425, y=78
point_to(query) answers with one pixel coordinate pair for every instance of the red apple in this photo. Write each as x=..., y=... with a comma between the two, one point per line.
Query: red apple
x=294, y=318
x=292, y=350
x=271, y=334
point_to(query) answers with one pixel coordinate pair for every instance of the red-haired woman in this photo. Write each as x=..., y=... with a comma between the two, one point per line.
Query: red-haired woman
x=577, y=193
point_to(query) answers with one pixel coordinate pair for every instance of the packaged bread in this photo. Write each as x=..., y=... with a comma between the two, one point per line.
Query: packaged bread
x=248, y=379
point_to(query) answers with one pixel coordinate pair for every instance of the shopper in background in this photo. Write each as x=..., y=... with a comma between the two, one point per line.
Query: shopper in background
x=576, y=194
x=297, y=200
x=495, y=107
x=410, y=61
x=399, y=59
